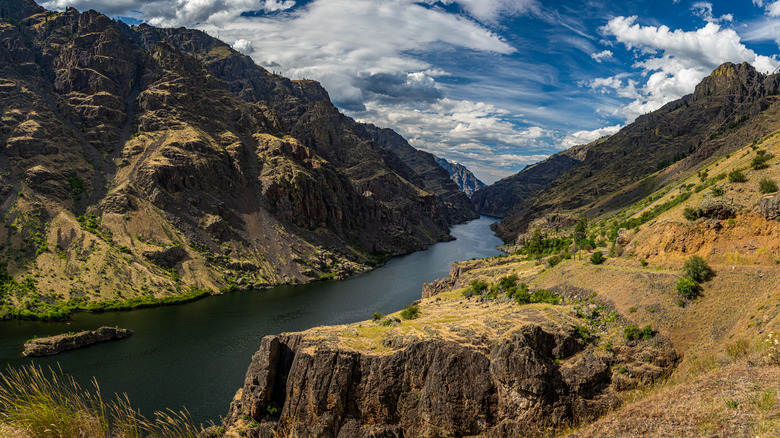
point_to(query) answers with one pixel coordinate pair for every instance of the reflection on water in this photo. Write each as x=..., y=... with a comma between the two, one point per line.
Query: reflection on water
x=196, y=354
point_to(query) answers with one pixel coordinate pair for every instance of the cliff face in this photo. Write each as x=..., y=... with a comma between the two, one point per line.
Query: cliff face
x=494, y=369
x=731, y=107
x=122, y=143
x=462, y=176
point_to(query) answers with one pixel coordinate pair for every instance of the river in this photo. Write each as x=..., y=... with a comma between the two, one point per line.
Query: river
x=195, y=355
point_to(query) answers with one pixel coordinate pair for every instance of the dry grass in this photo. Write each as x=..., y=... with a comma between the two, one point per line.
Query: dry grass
x=736, y=401
x=36, y=403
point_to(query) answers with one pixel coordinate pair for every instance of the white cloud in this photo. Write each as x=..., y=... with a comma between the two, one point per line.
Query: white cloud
x=673, y=61
x=585, y=137
x=601, y=56
x=488, y=11
x=244, y=46
x=773, y=9
x=704, y=10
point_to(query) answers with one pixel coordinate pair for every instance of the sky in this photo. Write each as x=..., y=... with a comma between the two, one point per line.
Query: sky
x=492, y=84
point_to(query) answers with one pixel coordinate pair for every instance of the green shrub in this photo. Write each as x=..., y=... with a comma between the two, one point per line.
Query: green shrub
x=760, y=160
x=691, y=213
x=377, y=316
x=476, y=287
x=521, y=295
x=545, y=296
x=632, y=309
x=597, y=258
x=767, y=185
x=688, y=287
x=736, y=176
x=696, y=268
x=554, y=260
x=411, y=312
x=632, y=332
x=716, y=191
x=643, y=262
x=505, y=283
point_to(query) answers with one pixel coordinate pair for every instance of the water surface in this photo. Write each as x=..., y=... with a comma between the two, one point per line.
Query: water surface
x=195, y=355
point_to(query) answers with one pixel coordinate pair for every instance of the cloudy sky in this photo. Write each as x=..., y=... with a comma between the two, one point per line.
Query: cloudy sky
x=492, y=84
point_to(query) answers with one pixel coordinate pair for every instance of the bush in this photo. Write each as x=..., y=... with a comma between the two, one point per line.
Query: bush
x=716, y=191
x=411, y=312
x=476, y=287
x=643, y=263
x=597, y=258
x=767, y=185
x=688, y=287
x=545, y=296
x=521, y=295
x=377, y=316
x=554, y=260
x=691, y=213
x=634, y=333
x=697, y=269
x=736, y=176
x=760, y=160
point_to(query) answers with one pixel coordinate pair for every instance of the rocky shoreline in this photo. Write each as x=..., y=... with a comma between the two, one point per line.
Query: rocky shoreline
x=69, y=341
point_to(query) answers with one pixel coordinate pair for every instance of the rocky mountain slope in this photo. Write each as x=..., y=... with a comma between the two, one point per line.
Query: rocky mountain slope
x=733, y=105
x=462, y=176
x=142, y=163
x=499, y=198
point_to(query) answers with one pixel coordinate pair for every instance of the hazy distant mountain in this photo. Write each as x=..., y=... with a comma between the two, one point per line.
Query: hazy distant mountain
x=462, y=176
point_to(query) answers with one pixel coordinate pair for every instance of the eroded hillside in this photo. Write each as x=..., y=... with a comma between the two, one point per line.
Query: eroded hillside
x=143, y=163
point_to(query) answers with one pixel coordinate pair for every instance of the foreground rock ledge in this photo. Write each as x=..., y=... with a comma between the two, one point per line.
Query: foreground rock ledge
x=497, y=369
x=59, y=343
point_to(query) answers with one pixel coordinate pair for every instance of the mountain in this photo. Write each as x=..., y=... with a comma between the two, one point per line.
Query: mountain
x=499, y=198
x=731, y=105
x=427, y=173
x=462, y=176
x=144, y=163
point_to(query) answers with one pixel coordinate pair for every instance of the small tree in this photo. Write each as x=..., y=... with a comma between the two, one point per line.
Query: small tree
x=597, y=258
x=411, y=312
x=697, y=269
x=580, y=233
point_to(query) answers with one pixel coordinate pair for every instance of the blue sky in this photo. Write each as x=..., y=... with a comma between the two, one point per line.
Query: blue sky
x=492, y=84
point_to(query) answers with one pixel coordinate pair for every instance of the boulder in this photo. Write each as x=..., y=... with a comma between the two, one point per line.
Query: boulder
x=167, y=257
x=770, y=206
x=716, y=208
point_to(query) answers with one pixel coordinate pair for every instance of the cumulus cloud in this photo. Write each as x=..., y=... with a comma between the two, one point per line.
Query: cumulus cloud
x=673, y=61
x=244, y=46
x=174, y=13
x=474, y=133
x=601, y=56
x=585, y=137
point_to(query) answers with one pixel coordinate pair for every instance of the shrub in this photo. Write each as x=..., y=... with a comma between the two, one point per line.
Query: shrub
x=411, y=312
x=476, y=287
x=522, y=296
x=377, y=316
x=505, y=283
x=736, y=176
x=767, y=185
x=643, y=263
x=632, y=332
x=697, y=269
x=688, y=287
x=632, y=309
x=545, y=296
x=716, y=191
x=691, y=213
x=554, y=260
x=760, y=160
x=597, y=258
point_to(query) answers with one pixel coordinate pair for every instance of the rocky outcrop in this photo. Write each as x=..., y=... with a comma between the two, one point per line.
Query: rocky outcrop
x=534, y=377
x=166, y=257
x=58, y=344
x=716, y=208
x=770, y=206
x=466, y=181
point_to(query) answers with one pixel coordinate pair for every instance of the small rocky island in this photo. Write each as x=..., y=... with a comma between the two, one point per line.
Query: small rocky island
x=69, y=341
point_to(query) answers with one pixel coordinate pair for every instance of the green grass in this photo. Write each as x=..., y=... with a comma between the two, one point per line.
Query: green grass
x=52, y=404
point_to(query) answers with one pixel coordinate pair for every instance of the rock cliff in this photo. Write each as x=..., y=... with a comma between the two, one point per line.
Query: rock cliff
x=492, y=369
x=140, y=161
